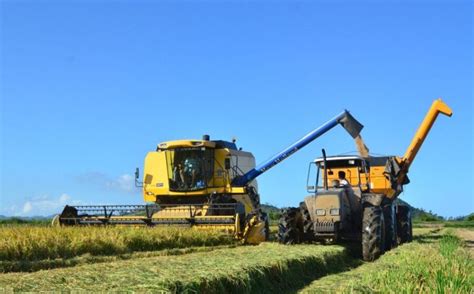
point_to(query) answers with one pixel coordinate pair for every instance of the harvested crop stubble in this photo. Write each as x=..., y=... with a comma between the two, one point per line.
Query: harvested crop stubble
x=268, y=267
x=23, y=243
x=433, y=263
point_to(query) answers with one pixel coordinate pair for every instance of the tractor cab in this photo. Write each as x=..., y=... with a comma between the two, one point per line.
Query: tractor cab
x=336, y=185
x=338, y=172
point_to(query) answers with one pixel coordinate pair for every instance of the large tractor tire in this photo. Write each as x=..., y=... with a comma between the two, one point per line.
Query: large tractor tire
x=390, y=220
x=308, y=232
x=404, y=225
x=373, y=236
x=264, y=217
x=290, y=226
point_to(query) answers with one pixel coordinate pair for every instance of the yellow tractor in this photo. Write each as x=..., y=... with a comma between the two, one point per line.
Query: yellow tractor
x=209, y=184
x=353, y=198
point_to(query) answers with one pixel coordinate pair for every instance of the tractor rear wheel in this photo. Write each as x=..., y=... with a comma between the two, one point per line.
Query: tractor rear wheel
x=264, y=217
x=308, y=232
x=404, y=225
x=373, y=236
x=290, y=226
x=390, y=226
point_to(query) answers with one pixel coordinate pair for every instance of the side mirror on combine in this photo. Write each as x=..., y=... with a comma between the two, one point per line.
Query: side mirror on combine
x=137, y=176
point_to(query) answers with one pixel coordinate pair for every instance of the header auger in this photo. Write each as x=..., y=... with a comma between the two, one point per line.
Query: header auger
x=208, y=184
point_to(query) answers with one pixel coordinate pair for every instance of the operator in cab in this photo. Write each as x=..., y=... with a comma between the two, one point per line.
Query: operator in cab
x=178, y=175
x=342, y=179
x=192, y=169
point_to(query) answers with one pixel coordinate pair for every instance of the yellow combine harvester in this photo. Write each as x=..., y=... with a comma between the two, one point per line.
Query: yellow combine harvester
x=353, y=198
x=200, y=183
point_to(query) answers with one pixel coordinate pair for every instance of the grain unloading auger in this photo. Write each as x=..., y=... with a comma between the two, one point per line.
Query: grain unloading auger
x=201, y=183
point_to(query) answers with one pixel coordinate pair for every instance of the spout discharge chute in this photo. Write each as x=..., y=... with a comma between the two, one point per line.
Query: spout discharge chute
x=438, y=107
x=396, y=169
x=345, y=119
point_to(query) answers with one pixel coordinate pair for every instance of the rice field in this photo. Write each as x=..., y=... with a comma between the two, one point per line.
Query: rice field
x=190, y=261
x=23, y=246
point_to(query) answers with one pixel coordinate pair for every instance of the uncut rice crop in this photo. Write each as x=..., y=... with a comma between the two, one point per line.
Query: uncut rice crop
x=47, y=264
x=30, y=243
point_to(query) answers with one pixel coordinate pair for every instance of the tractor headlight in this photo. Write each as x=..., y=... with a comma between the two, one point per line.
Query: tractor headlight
x=334, y=211
x=320, y=212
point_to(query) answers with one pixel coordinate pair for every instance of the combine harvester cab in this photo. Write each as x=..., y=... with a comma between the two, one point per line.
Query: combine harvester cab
x=353, y=198
x=207, y=184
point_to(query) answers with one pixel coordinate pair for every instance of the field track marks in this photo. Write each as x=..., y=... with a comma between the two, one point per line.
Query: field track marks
x=32, y=266
x=468, y=237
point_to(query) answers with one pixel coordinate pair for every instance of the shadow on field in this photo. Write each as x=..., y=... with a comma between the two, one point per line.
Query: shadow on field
x=350, y=258
x=469, y=243
x=427, y=239
x=288, y=277
x=431, y=237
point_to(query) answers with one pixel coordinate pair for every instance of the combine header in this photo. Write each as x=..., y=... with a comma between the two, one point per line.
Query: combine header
x=200, y=183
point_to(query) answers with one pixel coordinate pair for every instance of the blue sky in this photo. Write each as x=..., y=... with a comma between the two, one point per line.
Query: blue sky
x=87, y=88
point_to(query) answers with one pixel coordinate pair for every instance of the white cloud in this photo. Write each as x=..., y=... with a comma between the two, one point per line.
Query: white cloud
x=27, y=207
x=64, y=198
x=45, y=205
x=124, y=183
x=11, y=210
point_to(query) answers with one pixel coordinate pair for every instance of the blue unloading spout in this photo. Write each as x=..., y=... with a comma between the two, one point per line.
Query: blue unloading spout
x=352, y=126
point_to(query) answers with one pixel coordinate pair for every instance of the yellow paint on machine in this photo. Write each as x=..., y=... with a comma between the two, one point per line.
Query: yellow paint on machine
x=162, y=169
x=377, y=179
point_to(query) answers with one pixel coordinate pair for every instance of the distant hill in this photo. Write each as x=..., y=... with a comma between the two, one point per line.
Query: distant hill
x=266, y=207
x=419, y=214
x=272, y=211
x=39, y=220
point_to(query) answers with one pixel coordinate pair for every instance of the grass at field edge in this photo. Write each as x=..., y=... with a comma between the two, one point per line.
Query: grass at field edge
x=435, y=262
